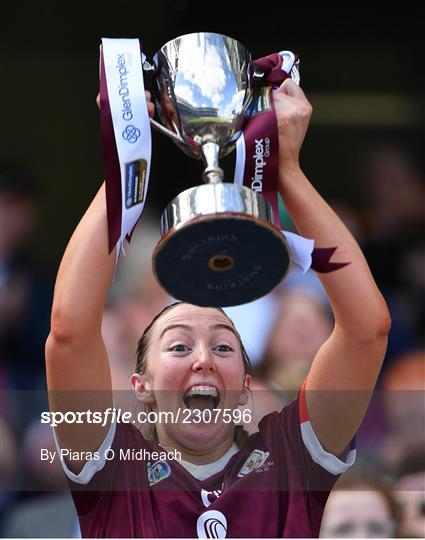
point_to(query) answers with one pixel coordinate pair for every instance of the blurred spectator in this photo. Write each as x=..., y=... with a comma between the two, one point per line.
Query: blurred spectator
x=409, y=490
x=25, y=286
x=37, y=512
x=302, y=325
x=403, y=386
x=8, y=467
x=122, y=325
x=255, y=320
x=50, y=516
x=134, y=278
x=8, y=452
x=360, y=506
x=393, y=191
x=40, y=475
x=264, y=401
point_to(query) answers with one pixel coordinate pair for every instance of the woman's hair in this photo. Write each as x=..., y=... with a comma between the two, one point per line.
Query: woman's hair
x=363, y=478
x=142, y=360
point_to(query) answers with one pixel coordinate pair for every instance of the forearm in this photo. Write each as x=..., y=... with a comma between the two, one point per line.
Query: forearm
x=357, y=304
x=350, y=359
x=85, y=275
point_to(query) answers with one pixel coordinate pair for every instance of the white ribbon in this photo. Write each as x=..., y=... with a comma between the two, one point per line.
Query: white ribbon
x=126, y=94
x=301, y=249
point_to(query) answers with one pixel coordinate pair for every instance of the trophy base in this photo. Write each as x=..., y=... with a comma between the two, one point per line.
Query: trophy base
x=224, y=259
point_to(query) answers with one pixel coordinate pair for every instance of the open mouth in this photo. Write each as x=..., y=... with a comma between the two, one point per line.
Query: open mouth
x=201, y=397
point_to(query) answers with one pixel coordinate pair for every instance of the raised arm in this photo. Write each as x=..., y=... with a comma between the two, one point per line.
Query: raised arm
x=78, y=374
x=345, y=369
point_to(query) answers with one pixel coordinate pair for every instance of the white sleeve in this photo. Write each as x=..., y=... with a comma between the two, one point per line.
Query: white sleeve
x=319, y=455
x=92, y=466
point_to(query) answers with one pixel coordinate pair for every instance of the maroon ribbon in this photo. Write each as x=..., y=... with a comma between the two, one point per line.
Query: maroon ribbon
x=111, y=163
x=271, y=66
x=263, y=126
x=261, y=137
x=262, y=157
x=320, y=260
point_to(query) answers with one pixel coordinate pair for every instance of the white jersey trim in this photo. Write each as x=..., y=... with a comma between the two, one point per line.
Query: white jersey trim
x=202, y=472
x=92, y=466
x=325, y=459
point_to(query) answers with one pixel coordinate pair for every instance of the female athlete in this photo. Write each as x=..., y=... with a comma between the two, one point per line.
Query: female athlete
x=272, y=484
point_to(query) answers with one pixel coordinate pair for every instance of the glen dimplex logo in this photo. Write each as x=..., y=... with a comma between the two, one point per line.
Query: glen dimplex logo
x=262, y=151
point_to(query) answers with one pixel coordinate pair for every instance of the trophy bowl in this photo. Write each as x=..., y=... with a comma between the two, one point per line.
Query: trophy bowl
x=219, y=244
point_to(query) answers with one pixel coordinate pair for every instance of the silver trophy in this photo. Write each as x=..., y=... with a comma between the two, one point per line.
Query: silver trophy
x=219, y=246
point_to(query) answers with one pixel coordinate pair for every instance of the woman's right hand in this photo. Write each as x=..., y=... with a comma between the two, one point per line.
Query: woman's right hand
x=151, y=106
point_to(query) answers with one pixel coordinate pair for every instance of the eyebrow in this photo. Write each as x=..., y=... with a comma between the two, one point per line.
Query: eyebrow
x=187, y=327
x=173, y=326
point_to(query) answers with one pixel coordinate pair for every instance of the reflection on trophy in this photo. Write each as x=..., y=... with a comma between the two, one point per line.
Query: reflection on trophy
x=219, y=245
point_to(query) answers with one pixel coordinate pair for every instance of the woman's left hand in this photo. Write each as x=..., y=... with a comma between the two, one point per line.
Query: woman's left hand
x=293, y=112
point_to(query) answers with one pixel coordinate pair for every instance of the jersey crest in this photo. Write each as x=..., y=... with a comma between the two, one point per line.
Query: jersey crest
x=157, y=471
x=254, y=461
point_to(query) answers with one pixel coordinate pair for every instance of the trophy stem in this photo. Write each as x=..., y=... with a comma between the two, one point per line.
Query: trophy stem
x=213, y=174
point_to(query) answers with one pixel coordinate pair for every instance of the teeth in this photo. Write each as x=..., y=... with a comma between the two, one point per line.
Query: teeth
x=201, y=391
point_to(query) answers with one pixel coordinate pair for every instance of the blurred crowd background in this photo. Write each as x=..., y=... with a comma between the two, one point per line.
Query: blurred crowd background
x=364, y=153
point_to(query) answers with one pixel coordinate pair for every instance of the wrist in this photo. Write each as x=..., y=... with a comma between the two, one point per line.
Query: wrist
x=289, y=171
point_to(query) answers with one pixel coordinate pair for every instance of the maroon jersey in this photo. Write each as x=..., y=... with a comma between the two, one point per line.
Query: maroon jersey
x=275, y=486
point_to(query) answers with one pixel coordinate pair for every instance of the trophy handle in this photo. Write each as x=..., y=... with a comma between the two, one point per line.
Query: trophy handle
x=159, y=127
x=147, y=67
